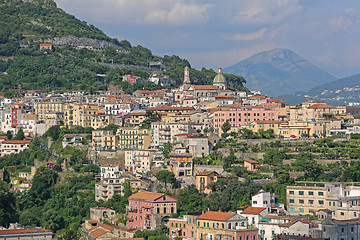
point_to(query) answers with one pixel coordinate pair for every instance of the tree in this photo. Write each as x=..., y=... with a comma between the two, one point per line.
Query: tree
x=167, y=149
x=166, y=177
x=226, y=127
x=190, y=200
x=9, y=135
x=20, y=135
x=7, y=205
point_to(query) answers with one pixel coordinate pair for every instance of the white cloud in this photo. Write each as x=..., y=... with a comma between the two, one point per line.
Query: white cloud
x=258, y=12
x=345, y=20
x=248, y=36
x=164, y=12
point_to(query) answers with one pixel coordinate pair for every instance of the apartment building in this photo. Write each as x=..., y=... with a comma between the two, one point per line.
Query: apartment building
x=101, y=120
x=43, y=108
x=104, y=140
x=79, y=114
x=238, y=116
x=181, y=164
x=138, y=160
x=148, y=210
x=162, y=133
x=105, y=188
x=134, y=138
x=343, y=199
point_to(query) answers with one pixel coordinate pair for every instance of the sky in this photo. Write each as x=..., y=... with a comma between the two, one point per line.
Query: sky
x=210, y=33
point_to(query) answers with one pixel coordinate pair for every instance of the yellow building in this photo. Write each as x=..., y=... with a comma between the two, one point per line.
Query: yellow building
x=43, y=108
x=76, y=114
x=101, y=120
x=222, y=225
x=134, y=138
x=104, y=140
x=135, y=118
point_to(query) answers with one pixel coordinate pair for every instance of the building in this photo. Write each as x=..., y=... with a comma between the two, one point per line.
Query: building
x=135, y=118
x=203, y=179
x=42, y=108
x=343, y=199
x=181, y=164
x=138, y=160
x=253, y=215
x=13, y=146
x=76, y=114
x=101, y=213
x=105, y=188
x=104, y=140
x=148, y=210
x=134, y=138
x=101, y=120
x=251, y=165
x=227, y=226
x=109, y=171
x=26, y=233
x=219, y=80
x=178, y=228
x=162, y=133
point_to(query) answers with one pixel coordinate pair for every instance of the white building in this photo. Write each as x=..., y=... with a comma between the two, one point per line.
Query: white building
x=109, y=171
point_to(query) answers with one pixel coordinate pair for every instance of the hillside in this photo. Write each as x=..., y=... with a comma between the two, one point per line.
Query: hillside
x=70, y=65
x=279, y=71
x=339, y=92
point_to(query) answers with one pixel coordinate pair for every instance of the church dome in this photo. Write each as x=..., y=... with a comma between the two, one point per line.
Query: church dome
x=219, y=78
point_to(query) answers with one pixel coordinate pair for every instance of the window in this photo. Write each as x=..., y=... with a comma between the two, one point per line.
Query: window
x=291, y=192
x=342, y=213
x=311, y=193
x=291, y=201
x=321, y=202
x=301, y=192
x=301, y=210
x=311, y=201
x=321, y=193
x=342, y=230
x=292, y=209
x=301, y=201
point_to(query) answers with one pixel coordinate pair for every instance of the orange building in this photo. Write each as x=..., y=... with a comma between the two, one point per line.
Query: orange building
x=178, y=227
x=203, y=179
x=181, y=164
x=251, y=165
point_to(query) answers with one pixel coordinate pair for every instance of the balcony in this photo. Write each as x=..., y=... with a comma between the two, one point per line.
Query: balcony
x=132, y=210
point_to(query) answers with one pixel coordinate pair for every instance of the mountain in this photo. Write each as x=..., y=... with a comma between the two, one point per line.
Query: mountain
x=279, y=71
x=339, y=92
x=80, y=56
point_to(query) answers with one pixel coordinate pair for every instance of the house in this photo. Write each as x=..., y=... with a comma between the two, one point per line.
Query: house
x=253, y=214
x=224, y=225
x=102, y=213
x=148, y=210
x=73, y=140
x=45, y=46
x=251, y=165
x=181, y=164
x=203, y=179
x=13, y=146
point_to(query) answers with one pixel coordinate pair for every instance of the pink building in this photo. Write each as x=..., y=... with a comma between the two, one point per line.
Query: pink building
x=237, y=116
x=130, y=78
x=148, y=210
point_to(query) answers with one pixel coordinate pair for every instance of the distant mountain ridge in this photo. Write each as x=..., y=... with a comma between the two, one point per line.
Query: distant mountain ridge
x=279, y=71
x=339, y=92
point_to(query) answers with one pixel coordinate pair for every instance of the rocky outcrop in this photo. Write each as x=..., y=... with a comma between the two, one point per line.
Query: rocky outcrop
x=82, y=42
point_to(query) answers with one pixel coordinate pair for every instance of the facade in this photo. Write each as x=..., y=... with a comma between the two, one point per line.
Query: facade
x=101, y=120
x=203, y=179
x=181, y=164
x=219, y=80
x=148, y=210
x=104, y=140
x=138, y=160
x=42, y=108
x=309, y=197
x=221, y=225
x=105, y=188
x=134, y=138
x=251, y=165
x=13, y=146
x=79, y=114
x=238, y=116
x=162, y=133
x=101, y=213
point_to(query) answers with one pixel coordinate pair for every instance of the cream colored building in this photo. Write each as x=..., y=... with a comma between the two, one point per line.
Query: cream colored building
x=162, y=133
x=343, y=199
x=13, y=146
x=138, y=160
x=134, y=138
x=79, y=114
x=101, y=120
x=43, y=108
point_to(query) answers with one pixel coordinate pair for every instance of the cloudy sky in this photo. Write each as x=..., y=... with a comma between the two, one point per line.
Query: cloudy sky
x=213, y=32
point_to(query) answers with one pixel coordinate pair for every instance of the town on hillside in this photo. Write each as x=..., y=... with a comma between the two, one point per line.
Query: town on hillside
x=197, y=162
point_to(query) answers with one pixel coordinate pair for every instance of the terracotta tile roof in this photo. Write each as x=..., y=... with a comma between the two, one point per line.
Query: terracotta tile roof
x=206, y=173
x=168, y=108
x=98, y=232
x=101, y=208
x=321, y=106
x=24, y=231
x=216, y=216
x=251, y=161
x=274, y=100
x=108, y=227
x=3, y=137
x=253, y=210
x=16, y=141
x=204, y=87
x=145, y=91
x=147, y=196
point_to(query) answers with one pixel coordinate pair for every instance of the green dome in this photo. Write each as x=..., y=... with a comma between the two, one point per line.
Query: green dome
x=219, y=78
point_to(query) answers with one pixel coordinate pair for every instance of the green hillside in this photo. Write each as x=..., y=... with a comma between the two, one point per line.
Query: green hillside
x=26, y=24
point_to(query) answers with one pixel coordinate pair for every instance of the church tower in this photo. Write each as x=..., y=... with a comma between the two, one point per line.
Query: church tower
x=186, y=75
